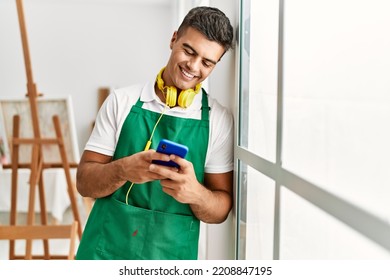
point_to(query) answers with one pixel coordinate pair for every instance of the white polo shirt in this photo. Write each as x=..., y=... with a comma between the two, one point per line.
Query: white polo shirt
x=113, y=113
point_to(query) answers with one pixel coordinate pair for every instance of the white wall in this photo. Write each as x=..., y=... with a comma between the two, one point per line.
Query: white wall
x=77, y=46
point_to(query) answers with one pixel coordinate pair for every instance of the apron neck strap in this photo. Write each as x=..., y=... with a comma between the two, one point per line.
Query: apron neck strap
x=139, y=102
x=205, y=106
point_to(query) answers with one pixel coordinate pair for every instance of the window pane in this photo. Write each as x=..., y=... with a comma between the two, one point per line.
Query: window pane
x=336, y=98
x=256, y=219
x=259, y=77
x=309, y=233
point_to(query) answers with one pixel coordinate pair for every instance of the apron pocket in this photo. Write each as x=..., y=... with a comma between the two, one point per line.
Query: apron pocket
x=131, y=232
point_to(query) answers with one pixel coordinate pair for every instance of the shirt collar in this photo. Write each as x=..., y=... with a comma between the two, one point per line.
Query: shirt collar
x=148, y=95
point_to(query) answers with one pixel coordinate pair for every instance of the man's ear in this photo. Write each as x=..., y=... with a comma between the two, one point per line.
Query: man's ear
x=173, y=39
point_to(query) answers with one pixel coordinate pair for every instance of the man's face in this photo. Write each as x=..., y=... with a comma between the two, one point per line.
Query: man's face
x=192, y=60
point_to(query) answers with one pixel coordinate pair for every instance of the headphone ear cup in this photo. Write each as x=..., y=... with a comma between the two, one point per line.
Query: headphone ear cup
x=171, y=96
x=186, y=97
x=160, y=82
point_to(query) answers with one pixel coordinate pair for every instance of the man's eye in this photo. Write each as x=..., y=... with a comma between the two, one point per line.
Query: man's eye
x=207, y=64
x=188, y=52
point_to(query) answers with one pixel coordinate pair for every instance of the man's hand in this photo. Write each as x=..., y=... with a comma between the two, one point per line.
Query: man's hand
x=210, y=203
x=181, y=183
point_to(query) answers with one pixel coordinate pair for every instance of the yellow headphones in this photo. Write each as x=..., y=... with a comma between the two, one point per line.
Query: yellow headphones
x=185, y=98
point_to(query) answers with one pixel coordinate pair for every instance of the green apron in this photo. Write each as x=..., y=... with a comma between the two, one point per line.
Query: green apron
x=153, y=225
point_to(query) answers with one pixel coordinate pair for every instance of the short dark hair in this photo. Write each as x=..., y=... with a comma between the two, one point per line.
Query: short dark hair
x=211, y=22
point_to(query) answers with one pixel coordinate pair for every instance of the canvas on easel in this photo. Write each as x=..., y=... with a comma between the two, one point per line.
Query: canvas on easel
x=47, y=108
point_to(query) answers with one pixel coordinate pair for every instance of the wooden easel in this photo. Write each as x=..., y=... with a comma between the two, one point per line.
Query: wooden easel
x=37, y=164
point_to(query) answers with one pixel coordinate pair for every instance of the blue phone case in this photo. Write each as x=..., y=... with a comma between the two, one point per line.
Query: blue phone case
x=169, y=147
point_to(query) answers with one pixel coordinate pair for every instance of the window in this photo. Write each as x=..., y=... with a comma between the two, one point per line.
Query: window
x=312, y=141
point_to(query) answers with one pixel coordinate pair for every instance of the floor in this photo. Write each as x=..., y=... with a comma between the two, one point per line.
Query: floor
x=56, y=247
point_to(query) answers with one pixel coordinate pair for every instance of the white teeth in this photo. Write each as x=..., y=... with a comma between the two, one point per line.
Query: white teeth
x=187, y=74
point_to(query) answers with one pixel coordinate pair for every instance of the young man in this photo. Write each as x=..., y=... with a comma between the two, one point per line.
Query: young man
x=145, y=210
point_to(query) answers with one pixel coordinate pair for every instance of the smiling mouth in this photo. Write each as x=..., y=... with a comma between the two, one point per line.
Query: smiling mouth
x=187, y=74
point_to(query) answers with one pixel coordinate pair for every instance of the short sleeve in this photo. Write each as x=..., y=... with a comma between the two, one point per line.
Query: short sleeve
x=219, y=157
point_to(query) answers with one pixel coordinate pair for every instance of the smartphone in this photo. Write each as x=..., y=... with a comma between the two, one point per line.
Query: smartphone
x=169, y=147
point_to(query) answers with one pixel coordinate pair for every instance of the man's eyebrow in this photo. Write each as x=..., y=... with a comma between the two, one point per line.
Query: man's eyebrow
x=185, y=45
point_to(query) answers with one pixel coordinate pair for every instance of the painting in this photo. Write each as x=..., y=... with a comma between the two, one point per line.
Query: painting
x=47, y=108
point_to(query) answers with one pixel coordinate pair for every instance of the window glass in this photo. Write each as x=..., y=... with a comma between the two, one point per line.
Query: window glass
x=256, y=219
x=259, y=77
x=336, y=98
x=309, y=233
